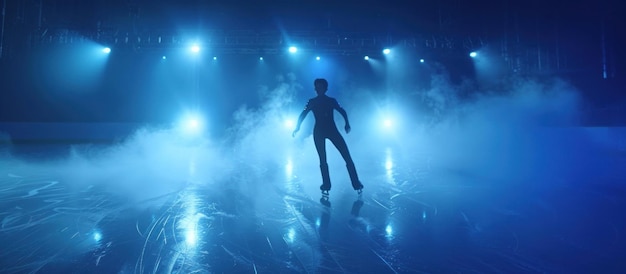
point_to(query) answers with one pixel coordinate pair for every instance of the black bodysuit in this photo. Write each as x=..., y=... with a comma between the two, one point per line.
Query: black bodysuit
x=323, y=108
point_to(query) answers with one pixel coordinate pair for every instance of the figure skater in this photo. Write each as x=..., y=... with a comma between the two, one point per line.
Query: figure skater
x=323, y=108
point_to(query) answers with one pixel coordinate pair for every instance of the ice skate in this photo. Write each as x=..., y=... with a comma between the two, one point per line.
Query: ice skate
x=359, y=189
x=325, y=192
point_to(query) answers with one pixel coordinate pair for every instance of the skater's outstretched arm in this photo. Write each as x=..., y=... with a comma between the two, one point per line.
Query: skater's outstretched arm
x=345, y=117
x=300, y=119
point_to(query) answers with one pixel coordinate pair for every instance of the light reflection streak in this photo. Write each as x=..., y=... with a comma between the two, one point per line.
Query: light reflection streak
x=289, y=168
x=178, y=229
x=291, y=235
x=389, y=231
x=189, y=222
x=389, y=166
x=59, y=221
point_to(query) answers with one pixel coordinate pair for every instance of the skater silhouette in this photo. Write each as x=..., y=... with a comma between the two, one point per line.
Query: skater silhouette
x=323, y=108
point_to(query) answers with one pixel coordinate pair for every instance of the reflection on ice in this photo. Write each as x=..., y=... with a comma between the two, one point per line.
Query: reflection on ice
x=189, y=220
x=174, y=240
x=389, y=231
x=389, y=166
x=97, y=236
x=43, y=221
x=289, y=169
x=36, y=190
x=264, y=220
x=291, y=235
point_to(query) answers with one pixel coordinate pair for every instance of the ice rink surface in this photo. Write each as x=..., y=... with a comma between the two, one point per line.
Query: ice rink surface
x=413, y=217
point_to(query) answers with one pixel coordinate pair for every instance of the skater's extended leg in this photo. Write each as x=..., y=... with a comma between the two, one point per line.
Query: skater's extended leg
x=320, y=146
x=325, y=177
x=354, y=178
x=340, y=144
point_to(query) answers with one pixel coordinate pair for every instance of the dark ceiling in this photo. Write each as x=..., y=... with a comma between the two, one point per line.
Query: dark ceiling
x=448, y=16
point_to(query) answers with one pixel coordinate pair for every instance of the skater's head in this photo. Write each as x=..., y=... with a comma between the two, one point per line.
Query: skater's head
x=321, y=86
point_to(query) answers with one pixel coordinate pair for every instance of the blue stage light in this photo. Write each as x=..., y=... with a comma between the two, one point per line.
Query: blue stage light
x=191, y=124
x=106, y=50
x=290, y=124
x=388, y=123
x=293, y=49
x=386, y=51
x=195, y=48
x=473, y=54
x=366, y=58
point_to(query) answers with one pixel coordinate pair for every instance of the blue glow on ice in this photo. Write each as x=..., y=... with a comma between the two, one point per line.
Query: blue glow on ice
x=291, y=235
x=191, y=237
x=97, y=236
x=389, y=164
x=389, y=230
x=191, y=217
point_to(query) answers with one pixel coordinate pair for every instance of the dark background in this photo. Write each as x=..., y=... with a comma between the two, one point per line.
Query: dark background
x=575, y=40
